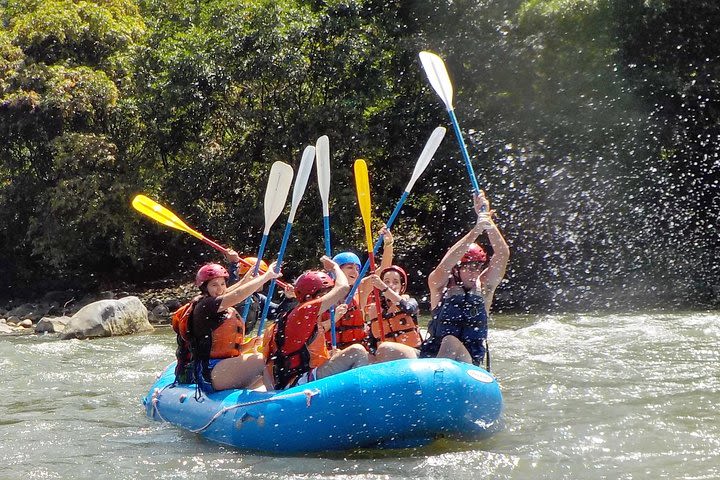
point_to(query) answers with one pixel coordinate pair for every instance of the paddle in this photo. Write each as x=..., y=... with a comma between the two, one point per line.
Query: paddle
x=429, y=150
x=298, y=190
x=157, y=212
x=362, y=185
x=322, y=152
x=437, y=74
x=276, y=193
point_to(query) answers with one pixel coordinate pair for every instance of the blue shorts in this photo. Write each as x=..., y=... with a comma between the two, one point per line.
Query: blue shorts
x=203, y=370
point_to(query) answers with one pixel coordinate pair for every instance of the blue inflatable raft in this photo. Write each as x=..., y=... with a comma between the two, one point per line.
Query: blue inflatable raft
x=399, y=404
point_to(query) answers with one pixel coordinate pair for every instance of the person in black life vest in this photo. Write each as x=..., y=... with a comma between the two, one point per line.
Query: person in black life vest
x=221, y=360
x=399, y=311
x=462, y=288
x=257, y=299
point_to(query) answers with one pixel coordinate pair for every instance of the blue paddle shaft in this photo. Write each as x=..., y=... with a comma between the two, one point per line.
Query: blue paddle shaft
x=271, y=288
x=463, y=149
x=377, y=245
x=326, y=230
x=328, y=252
x=256, y=269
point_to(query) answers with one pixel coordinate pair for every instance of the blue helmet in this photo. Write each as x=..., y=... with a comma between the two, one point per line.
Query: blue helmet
x=343, y=258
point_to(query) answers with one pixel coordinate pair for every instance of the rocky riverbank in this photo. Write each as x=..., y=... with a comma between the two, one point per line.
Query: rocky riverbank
x=53, y=310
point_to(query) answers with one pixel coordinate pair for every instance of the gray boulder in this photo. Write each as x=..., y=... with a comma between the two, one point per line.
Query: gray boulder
x=51, y=324
x=107, y=318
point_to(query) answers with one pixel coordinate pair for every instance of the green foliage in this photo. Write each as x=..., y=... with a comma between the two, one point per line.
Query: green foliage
x=66, y=189
x=81, y=32
x=585, y=120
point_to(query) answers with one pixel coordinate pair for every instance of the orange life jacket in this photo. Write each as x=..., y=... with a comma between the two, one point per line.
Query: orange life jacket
x=181, y=318
x=349, y=329
x=293, y=346
x=228, y=337
x=399, y=327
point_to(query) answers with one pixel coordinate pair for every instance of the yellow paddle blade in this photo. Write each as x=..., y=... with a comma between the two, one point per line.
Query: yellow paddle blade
x=362, y=185
x=160, y=214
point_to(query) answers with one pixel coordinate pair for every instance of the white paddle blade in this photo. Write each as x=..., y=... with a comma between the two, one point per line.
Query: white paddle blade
x=437, y=74
x=322, y=152
x=308, y=157
x=276, y=193
x=431, y=147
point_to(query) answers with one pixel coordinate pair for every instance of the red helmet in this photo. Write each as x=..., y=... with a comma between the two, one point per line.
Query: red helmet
x=400, y=271
x=242, y=268
x=310, y=283
x=208, y=272
x=475, y=253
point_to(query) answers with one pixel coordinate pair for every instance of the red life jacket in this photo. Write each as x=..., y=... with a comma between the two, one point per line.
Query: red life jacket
x=349, y=329
x=293, y=346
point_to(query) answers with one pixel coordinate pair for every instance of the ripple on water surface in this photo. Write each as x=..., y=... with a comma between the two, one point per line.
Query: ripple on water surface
x=586, y=396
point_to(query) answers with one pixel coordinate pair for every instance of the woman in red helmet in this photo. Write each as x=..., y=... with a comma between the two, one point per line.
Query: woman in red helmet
x=399, y=311
x=295, y=347
x=462, y=287
x=221, y=359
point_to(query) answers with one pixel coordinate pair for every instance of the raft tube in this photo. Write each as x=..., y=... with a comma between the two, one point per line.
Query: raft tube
x=398, y=404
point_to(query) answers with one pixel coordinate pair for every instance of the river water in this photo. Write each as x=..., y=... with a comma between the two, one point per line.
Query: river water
x=586, y=396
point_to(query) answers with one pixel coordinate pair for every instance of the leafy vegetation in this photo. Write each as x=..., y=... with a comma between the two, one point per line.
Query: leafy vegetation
x=593, y=125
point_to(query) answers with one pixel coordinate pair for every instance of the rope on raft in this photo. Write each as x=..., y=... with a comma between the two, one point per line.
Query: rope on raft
x=307, y=393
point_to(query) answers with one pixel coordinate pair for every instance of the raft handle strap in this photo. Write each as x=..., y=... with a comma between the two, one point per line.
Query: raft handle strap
x=307, y=393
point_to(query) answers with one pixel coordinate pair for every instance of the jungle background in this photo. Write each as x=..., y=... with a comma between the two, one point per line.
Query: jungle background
x=593, y=126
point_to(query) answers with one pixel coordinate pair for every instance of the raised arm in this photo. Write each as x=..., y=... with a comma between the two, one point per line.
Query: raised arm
x=438, y=278
x=388, y=241
x=364, y=290
x=242, y=290
x=339, y=290
x=495, y=271
x=249, y=275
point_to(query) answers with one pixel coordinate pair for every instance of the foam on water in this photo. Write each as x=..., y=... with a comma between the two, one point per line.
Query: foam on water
x=586, y=396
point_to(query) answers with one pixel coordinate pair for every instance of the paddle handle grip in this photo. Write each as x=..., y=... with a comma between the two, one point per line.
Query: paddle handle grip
x=463, y=149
